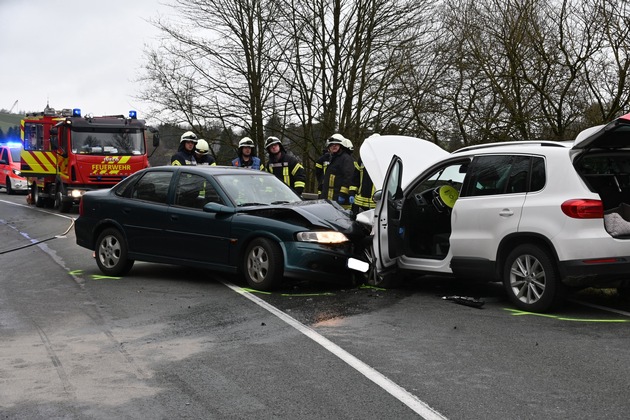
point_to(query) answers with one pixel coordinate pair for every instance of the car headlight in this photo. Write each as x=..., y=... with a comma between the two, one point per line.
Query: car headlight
x=322, y=237
x=16, y=172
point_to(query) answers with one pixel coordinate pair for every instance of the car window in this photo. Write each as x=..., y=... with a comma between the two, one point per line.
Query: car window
x=195, y=191
x=253, y=188
x=501, y=174
x=453, y=174
x=539, y=176
x=153, y=186
x=4, y=155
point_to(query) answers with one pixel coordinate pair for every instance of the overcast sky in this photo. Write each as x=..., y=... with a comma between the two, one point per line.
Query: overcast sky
x=75, y=54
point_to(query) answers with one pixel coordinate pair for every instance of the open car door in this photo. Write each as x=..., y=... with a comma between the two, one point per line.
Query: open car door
x=388, y=244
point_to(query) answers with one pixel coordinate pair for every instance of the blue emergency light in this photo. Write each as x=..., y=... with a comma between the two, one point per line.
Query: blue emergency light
x=133, y=115
x=76, y=112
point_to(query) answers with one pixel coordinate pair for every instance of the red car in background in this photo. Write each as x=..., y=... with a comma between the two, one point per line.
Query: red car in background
x=10, y=177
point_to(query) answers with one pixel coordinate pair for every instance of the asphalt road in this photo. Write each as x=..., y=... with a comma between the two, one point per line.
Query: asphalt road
x=170, y=342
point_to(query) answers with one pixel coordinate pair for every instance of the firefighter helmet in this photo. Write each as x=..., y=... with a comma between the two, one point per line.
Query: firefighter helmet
x=272, y=140
x=202, y=147
x=335, y=139
x=246, y=142
x=188, y=136
x=347, y=144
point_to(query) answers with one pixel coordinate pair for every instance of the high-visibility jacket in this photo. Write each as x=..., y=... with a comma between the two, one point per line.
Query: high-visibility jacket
x=289, y=170
x=365, y=188
x=338, y=178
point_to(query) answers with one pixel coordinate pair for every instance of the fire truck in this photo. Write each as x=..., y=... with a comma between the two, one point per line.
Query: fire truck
x=65, y=154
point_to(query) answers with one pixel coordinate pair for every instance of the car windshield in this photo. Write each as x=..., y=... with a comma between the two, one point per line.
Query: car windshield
x=122, y=141
x=252, y=188
x=15, y=154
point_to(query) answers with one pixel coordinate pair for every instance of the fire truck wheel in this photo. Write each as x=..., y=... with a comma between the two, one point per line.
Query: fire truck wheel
x=62, y=206
x=35, y=197
x=111, y=253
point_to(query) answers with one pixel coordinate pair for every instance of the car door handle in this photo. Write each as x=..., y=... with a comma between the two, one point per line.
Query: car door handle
x=126, y=210
x=174, y=217
x=506, y=213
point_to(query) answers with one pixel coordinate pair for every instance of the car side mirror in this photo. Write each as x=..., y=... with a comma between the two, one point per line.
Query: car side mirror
x=218, y=208
x=377, y=196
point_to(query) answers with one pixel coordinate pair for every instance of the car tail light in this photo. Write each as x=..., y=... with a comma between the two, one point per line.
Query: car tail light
x=583, y=209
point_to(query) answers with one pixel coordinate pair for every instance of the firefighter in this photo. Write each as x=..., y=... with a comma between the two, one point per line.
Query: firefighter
x=247, y=155
x=339, y=172
x=285, y=166
x=185, y=152
x=365, y=188
x=202, y=153
x=320, y=169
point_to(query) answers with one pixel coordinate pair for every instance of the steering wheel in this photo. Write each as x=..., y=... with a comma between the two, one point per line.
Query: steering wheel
x=444, y=198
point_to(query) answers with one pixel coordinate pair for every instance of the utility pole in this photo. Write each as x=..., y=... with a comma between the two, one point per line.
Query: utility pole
x=13, y=107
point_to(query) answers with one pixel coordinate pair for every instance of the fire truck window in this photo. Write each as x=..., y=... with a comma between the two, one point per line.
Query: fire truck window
x=34, y=138
x=108, y=142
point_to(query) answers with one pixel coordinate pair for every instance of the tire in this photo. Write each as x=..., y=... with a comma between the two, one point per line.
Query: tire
x=62, y=206
x=111, y=253
x=37, y=199
x=531, y=280
x=373, y=278
x=9, y=187
x=263, y=264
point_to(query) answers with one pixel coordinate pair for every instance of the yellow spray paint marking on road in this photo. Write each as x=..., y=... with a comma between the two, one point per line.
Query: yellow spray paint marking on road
x=99, y=277
x=76, y=272
x=367, y=286
x=516, y=312
x=245, y=289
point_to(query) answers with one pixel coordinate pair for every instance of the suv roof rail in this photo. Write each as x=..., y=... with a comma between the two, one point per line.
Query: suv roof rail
x=545, y=143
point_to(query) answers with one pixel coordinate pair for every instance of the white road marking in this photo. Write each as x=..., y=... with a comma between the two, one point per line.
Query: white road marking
x=601, y=308
x=370, y=373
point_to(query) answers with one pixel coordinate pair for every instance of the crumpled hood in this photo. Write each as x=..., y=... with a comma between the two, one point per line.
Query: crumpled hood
x=416, y=154
x=322, y=213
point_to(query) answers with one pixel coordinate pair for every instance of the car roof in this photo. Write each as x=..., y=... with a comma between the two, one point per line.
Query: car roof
x=207, y=169
x=514, y=145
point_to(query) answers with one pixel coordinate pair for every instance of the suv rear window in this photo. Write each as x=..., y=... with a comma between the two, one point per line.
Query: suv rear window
x=501, y=174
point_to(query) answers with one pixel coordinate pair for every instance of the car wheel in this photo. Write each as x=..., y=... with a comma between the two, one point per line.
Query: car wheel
x=263, y=264
x=373, y=278
x=531, y=280
x=111, y=253
x=9, y=187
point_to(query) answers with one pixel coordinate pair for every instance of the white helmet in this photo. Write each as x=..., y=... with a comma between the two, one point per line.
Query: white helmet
x=202, y=147
x=335, y=139
x=246, y=142
x=347, y=144
x=188, y=136
x=272, y=140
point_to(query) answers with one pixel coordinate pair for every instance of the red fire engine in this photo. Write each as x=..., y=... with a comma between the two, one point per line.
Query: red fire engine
x=65, y=154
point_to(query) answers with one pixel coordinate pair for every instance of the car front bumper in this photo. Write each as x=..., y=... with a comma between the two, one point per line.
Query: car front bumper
x=317, y=262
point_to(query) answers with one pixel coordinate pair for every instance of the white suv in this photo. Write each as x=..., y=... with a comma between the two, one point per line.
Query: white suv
x=539, y=216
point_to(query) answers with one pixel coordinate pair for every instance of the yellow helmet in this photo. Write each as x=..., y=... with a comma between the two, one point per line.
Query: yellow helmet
x=202, y=147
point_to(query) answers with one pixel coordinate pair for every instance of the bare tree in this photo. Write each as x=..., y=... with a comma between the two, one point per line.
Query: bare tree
x=225, y=47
